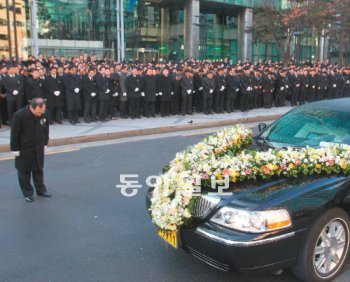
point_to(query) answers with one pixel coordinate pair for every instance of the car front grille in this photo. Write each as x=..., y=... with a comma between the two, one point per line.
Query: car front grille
x=204, y=205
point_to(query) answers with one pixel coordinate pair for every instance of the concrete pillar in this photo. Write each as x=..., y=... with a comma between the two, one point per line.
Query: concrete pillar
x=324, y=46
x=245, y=35
x=191, y=29
x=165, y=31
x=34, y=25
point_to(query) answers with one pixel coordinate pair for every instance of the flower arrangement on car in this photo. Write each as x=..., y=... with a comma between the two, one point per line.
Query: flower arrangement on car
x=227, y=157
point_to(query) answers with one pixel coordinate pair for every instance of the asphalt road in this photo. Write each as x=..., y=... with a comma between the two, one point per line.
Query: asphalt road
x=88, y=231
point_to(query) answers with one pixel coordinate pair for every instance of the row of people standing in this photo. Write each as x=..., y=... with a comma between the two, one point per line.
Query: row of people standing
x=99, y=94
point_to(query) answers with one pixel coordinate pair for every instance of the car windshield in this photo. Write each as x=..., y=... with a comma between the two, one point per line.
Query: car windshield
x=309, y=127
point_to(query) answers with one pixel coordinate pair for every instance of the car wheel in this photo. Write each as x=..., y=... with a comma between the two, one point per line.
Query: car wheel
x=325, y=247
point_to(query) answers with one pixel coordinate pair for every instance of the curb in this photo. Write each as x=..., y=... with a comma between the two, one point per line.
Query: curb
x=149, y=131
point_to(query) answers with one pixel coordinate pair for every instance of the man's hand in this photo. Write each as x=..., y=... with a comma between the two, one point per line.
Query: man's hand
x=136, y=89
x=108, y=91
x=57, y=93
x=15, y=92
x=76, y=90
x=189, y=91
x=93, y=94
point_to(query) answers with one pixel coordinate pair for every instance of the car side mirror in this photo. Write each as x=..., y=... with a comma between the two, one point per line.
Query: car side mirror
x=262, y=126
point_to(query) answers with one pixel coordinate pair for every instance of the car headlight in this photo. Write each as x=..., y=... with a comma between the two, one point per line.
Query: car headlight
x=252, y=221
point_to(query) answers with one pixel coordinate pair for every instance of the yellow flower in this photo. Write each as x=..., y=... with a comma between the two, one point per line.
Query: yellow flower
x=318, y=166
x=344, y=166
x=218, y=176
x=217, y=151
x=270, y=166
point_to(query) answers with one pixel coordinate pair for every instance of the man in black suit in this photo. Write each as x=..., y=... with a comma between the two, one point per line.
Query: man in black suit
x=150, y=90
x=54, y=91
x=165, y=91
x=90, y=96
x=233, y=86
x=113, y=82
x=123, y=98
x=72, y=85
x=294, y=80
x=312, y=78
x=282, y=86
x=198, y=88
x=246, y=89
x=220, y=82
x=103, y=92
x=34, y=87
x=14, y=88
x=186, y=93
x=133, y=88
x=175, y=99
x=304, y=87
x=209, y=85
x=29, y=136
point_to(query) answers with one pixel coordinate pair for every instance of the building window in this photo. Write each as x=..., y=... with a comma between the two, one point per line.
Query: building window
x=3, y=37
x=3, y=22
x=20, y=24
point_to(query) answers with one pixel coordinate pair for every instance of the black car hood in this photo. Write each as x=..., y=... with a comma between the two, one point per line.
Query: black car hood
x=255, y=194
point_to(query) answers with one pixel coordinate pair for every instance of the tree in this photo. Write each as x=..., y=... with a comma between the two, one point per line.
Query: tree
x=319, y=17
x=274, y=25
x=339, y=28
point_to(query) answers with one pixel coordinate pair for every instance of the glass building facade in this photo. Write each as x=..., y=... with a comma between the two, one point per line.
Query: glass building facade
x=153, y=29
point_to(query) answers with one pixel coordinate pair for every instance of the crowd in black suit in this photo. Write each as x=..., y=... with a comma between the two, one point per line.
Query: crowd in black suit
x=100, y=90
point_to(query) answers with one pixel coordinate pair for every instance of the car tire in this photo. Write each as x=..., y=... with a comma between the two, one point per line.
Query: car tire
x=325, y=249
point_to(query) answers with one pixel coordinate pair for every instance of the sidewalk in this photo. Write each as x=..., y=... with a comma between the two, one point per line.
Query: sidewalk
x=72, y=134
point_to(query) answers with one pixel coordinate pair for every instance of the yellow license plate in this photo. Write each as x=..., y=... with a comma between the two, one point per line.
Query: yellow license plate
x=171, y=237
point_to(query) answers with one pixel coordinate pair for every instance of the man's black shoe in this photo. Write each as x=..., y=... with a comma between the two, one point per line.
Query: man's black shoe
x=45, y=194
x=29, y=199
x=59, y=122
x=77, y=121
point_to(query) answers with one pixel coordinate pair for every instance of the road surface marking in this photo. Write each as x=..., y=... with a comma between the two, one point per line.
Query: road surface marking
x=62, y=151
x=47, y=153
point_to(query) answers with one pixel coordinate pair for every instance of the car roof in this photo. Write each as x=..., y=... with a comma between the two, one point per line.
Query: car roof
x=341, y=105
